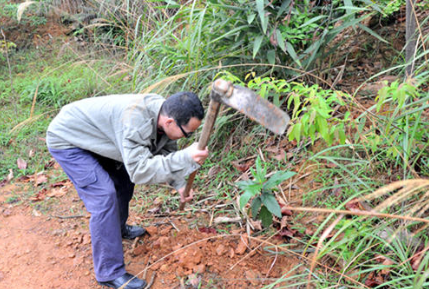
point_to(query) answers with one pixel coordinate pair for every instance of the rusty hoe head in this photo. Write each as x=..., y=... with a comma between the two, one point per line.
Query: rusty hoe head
x=252, y=105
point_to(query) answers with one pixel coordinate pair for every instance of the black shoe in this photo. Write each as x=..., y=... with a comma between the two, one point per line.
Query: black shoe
x=135, y=282
x=132, y=232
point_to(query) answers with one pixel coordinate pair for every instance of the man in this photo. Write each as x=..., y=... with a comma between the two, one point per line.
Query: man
x=107, y=144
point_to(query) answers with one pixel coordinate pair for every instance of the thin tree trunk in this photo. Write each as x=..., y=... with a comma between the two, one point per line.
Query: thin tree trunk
x=410, y=37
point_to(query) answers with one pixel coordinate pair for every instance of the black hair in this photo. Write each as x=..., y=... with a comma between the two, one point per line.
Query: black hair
x=182, y=106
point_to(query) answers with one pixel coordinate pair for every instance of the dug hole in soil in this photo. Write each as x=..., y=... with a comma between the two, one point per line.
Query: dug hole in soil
x=53, y=249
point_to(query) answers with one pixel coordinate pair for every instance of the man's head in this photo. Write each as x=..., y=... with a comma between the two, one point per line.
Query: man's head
x=181, y=114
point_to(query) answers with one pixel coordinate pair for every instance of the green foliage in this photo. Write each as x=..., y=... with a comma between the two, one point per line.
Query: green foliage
x=264, y=204
x=31, y=16
x=313, y=112
x=55, y=82
x=402, y=134
x=390, y=7
x=297, y=32
x=293, y=33
x=5, y=46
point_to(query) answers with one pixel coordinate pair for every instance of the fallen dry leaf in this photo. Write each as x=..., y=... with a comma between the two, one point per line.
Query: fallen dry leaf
x=331, y=165
x=36, y=213
x=336, y=191
x=31, y=153
x=194, y=280
x=309, y=231
x=285, y=232
x=3, y=183
x=220, y=220
x=273, y=149
x=273, y=40
x=244, y=176
x=57, y=192
x=374, y=280
x=59, y=184
x=285, y=211
x=417, y=257
x=155, y=210
x=10, y=175
x=283, y=222
x=50, y=164
x=242, y=167
x=353, y=206
x=213, y=172
x=207, y=230
x=40, y=196
x=257, y=225
x=40, y=179
x=24, y=179
x=387, y=263
x=22, y=165
x=281, y=156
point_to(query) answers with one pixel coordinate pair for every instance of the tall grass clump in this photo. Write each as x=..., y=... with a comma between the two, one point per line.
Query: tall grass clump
x=165, y=39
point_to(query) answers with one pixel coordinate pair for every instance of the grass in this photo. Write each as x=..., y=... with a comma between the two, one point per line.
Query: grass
x=186, y=51
x=50, y=83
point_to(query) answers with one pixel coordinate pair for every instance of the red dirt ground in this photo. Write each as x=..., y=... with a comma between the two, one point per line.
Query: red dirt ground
x=46, y=244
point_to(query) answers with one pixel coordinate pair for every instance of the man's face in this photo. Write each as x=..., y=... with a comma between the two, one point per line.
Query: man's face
x=173, y=131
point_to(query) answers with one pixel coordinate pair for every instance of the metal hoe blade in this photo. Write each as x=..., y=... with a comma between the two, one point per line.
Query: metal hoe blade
x=257, y=108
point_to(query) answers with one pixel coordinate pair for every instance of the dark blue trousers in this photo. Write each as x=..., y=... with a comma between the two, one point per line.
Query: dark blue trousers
x=106, y=190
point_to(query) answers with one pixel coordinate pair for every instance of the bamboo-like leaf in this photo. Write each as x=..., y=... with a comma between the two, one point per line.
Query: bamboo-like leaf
x=312, y=20
x=250, y=18
x=21, y=8
x=349, y=6
x=271, y=56
x=373, y=33
x=261, y=12
x=280, y=40
x=285, y=5
x=292, y=53
x=257, y=45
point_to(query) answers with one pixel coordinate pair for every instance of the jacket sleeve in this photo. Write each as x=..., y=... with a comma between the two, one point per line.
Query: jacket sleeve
x=145, y=168
x=168, y=148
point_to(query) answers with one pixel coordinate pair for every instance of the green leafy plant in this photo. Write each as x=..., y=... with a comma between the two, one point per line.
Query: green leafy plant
x=261, y=188
x=390, y=7
x=313, y=112
x=402, y=131
x=6, y=46
x=270, y=88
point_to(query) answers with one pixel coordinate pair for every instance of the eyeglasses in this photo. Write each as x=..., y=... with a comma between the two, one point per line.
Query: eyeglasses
x=186, y=134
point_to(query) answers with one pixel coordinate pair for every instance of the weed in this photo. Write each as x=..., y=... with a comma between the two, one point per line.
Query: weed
x=313, y=111
x=401, y=135
x=264, y=204
x=12, y=200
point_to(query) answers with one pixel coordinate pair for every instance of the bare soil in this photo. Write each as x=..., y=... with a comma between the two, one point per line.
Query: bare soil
x=46, y=244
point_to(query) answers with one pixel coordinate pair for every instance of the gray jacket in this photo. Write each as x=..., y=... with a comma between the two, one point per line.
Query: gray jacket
x=123, y=128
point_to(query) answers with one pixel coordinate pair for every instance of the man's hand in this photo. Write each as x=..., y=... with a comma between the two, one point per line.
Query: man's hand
x=199, y=156
x=182, y=197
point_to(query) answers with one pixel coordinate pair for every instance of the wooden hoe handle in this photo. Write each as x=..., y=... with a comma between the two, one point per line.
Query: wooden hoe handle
x=212, y=112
